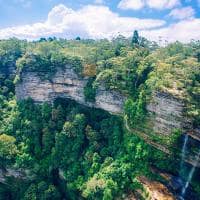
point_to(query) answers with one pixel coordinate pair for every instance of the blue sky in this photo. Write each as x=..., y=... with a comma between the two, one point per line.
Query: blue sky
x=32, y=19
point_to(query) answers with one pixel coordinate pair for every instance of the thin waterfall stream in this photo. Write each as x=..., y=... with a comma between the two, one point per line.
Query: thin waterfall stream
x=183, y=152
x=191, y=172
x=190, y=175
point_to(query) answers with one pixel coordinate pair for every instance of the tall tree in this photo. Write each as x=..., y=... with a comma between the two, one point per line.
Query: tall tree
x=135, y=38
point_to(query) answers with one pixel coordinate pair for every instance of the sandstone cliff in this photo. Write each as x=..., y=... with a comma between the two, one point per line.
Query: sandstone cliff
x=166, y=112
x=67, y=84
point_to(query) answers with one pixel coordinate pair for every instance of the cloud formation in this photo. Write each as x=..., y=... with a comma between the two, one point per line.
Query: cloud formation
x=99, y=1
x=95, y=21
x=182, y=13
x=131, y=4
x=162, y=4
x=184, y=31
x=155, y=4
x=88, y=22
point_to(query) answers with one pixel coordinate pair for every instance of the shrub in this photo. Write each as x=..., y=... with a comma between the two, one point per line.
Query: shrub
x=90, y=90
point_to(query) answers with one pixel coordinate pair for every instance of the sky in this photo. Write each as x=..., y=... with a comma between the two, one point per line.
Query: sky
x=156, y=20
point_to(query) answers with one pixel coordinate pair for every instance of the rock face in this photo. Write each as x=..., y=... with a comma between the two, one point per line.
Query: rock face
x=167, y=113
x=67, y=84
x=16, y=174
x=166, y=110
x=155, y=190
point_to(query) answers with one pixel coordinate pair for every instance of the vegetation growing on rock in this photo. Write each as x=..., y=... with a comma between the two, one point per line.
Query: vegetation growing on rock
x=76, y=152
x=90, y=90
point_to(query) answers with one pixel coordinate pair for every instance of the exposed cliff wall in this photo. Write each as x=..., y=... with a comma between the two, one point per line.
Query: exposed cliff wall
x=12, y=173
x=66, y=83
x=166, y=112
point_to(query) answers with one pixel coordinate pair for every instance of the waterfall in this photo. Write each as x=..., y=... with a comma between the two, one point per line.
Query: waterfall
x=190, y=175
x=183, y=152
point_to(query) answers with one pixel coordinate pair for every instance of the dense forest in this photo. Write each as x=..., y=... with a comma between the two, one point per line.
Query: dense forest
x=65, y=150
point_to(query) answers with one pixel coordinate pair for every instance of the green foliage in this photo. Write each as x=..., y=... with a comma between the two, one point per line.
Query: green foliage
x=46, y=60
x=87, y=147
x=135, y=38
x=135, y=110
x=10, y=51
x=90, y=90
x=116, y=176
x=74, y=152
x=78, y=38
x=41, y=191
x=8, y=149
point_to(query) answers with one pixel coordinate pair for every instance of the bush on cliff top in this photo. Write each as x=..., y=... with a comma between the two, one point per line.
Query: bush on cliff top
x=46, y=59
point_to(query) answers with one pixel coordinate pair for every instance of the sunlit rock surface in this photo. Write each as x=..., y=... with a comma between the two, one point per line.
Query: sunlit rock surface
x=67, y=84
x=166, y=111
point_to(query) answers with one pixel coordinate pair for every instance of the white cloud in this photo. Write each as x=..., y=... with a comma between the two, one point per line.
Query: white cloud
x=100, y=22
x=89, y=21
x=182, y=13
x=155, y=4
x=183, y=31
x=162, y=4
x=99, y=1
x=131, y=4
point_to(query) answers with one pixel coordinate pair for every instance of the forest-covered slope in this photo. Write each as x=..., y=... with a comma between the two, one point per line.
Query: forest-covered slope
x=65, y=147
